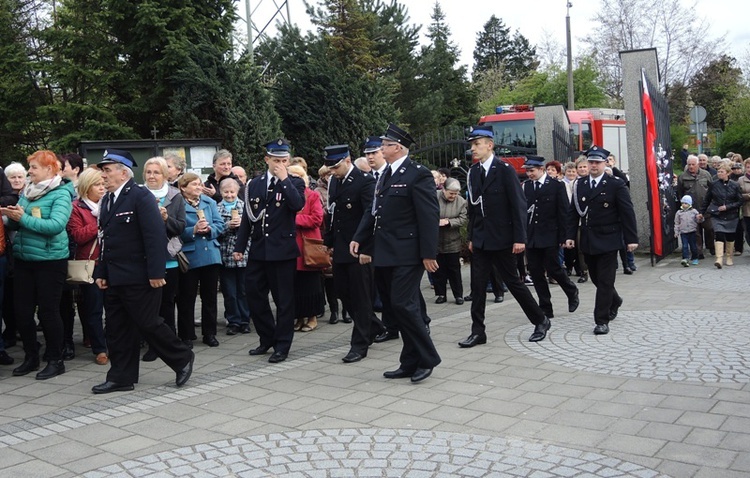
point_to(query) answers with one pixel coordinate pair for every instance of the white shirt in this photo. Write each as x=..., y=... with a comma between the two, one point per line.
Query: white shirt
x=595, y=180
x=541, y=180
x=117, y=194
x=397, y=164
x=486, y=164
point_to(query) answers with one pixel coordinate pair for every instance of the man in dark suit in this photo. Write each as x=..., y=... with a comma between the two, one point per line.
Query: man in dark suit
x=603, y=207
x=350, y=195
x=496, y=233
x=131, y=270
x=271, y=204
x=404, y=222
x=547, y=202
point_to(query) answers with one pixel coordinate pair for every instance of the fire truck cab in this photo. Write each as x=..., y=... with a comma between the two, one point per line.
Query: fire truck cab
x=515, y=133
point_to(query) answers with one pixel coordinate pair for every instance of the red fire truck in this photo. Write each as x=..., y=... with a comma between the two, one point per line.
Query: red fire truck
x=515, y=132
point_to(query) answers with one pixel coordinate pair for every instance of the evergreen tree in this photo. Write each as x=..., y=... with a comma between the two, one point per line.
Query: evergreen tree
x=715, y=86
x=496, y=50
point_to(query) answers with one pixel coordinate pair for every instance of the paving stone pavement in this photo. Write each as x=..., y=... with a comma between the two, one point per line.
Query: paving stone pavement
x=666, y=393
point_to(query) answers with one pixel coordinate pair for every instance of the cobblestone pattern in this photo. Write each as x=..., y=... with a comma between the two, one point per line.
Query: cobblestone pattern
x=709, y=277
x=118, y=405
x=375, y=453
x=675, y=345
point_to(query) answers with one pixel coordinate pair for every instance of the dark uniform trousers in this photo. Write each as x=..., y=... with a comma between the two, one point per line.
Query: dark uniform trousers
x=603, y=271
x=278, y=278
x=389, y=322
x=400, y=293
x=507, y=266
x=449, y=271
x=353, y=282
x=129, y=305
x=548, y=259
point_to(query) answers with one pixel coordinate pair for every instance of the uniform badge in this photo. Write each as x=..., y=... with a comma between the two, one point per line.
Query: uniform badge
x=278, y=204
x=349, y=206
x=257, y=199
x=255, y=206
x=606, y=204
x=583, y=198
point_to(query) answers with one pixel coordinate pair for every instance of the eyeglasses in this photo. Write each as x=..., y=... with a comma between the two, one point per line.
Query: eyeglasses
x=385, y=145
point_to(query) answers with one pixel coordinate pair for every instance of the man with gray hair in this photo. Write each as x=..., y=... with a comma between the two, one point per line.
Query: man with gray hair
x=222, y=170
x=362, y=164
x=695, y=182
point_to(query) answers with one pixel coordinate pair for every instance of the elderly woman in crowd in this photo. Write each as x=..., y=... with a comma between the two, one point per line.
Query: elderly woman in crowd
x=453, y=216
x=16, y=175
x=722, y=203
x=203, y=225
x=308, y=288
x=744, y=183
x=175, y=168
x=83, y=229
x=172, y=208
x=40, y=250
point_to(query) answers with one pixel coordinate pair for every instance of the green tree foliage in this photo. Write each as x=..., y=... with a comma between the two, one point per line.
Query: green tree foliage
x=20, y=132
x=736, y=135
x=447, y=96
x=715, y=86
x=217, y=98
x=320, y=101
x=496, y=49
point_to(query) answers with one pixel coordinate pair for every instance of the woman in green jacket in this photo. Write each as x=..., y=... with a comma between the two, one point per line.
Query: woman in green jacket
x=40, y=250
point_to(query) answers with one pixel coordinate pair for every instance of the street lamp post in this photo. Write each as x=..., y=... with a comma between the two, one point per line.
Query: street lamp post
x=571, y=95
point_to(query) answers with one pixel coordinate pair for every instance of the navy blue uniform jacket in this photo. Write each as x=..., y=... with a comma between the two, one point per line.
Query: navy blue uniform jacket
x=499, y=220
x=405, y=225
x=134, y=240
x=353, y=198
x=274, y=236
x=547, y=214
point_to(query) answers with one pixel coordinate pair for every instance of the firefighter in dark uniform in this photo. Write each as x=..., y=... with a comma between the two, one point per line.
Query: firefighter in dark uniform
x=547, y=202
x=404, y=227
x=350, y=195
x=271, y=204
x=131, y=270
x=603, y=208
x=496, y=233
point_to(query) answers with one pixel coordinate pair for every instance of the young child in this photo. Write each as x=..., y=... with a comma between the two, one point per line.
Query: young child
x=232, y=273
x=685, y=226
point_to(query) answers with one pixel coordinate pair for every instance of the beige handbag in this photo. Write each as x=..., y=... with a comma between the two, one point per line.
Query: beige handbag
x=82, y=271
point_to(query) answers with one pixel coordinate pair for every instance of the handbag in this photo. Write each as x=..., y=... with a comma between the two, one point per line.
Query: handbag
x=315, y=253
x=81, y=271
x=182, y=261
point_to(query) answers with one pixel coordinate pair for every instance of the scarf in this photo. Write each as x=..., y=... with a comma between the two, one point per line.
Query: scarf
x=94, y=206
x=35, y=191
x=229, y=205
x=193, y=202
x=161, y=192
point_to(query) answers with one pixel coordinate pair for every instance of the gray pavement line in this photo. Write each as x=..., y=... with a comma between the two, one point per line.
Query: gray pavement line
x=78, y=416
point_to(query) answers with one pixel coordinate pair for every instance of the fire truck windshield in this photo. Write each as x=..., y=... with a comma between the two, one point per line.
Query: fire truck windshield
x=514, y=133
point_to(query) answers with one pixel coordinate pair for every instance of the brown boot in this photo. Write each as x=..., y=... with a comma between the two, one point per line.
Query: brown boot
x=719, y=249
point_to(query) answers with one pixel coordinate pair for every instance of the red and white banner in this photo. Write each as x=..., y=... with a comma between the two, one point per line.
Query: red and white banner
x=652, y=174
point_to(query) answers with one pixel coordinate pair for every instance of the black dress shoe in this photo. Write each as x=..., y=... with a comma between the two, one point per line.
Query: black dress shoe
x=459, y=301
x=601, y=329
x=467, y=298
x=615, y=309
x=277, y=357
x=188, y=343
x=441, y=299
x=386, y=336
x=53, y=369
x=109, y=387
x=150, y=355
x=334, y=318
x=245, y=329
x=540, y=331
x=583, y=278
x=420, y=374
x=473, y=340
x=499, y=298
x=398, y=373
x=5, y=359
x=573, y=302
x=628, y=271
x=28, y=365
x=233, y=329
x=353, y=356
x=346, y=318
x=210, y=340
x=69, y=350
x=260, y=350
x=183, y=375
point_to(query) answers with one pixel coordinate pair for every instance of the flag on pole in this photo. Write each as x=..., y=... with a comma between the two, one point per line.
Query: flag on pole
x=652, y=174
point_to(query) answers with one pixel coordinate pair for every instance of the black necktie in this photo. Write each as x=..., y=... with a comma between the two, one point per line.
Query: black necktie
x=110, y=201
x=377, y=176
x=594, y=183
x=536, y=185
x=387, y=174
x=271, y=185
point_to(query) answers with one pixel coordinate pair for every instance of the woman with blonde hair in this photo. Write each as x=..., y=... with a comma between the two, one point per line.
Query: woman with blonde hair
x=722, y=203
x=83, y=230
x=308, y=288
x=40, y=250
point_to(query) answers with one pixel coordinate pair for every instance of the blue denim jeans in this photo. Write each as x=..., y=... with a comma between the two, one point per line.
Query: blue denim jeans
x=236, y=310
x=689, y=245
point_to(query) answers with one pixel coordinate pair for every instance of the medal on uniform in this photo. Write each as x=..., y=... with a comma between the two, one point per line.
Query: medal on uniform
x=278, y=204
x=349, y=206
x=606, y=204
x=583, y=198
x=255, y=206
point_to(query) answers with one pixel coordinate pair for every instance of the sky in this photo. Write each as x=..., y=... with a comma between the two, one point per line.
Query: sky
x=533, y=18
